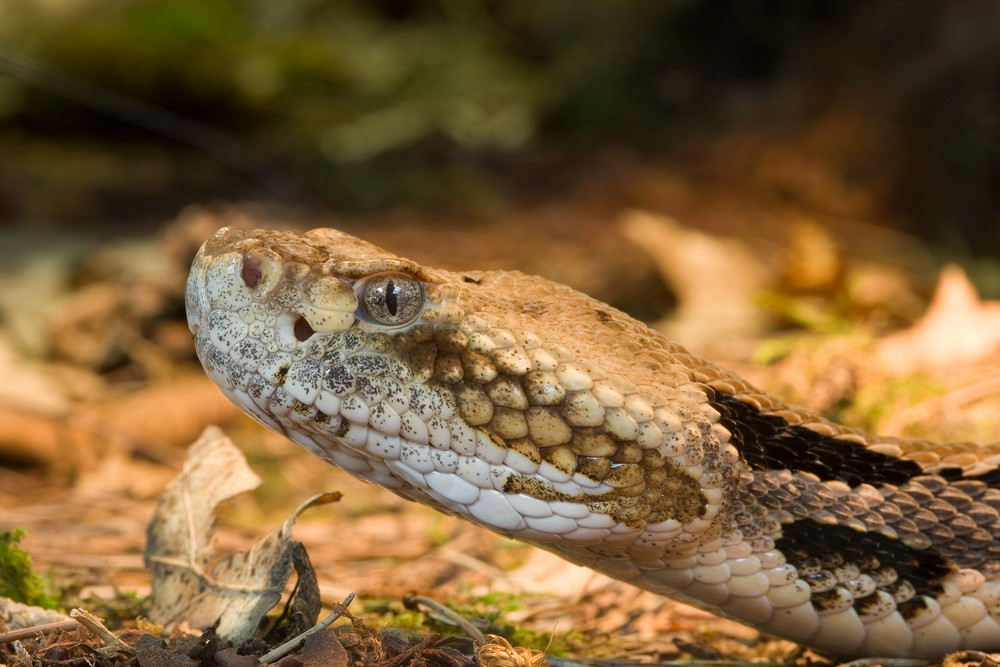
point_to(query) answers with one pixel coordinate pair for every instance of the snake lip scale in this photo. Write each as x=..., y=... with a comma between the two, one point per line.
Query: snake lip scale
x=548, y=416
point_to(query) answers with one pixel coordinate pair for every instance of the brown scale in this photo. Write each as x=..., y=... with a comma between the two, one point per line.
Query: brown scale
x=828, y=599
x=805, y=542
x=901, y=590
x=873, y=521
x=957, y=498
x=890, y=512
x=820, y=581
x=561, y=458
x=912, y=607
x=962, y=526
x=983, y=514
x=870, y=604
x=523, y=412
x=884, y=576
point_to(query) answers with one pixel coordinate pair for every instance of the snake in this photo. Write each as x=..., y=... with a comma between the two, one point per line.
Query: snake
x=550, y=417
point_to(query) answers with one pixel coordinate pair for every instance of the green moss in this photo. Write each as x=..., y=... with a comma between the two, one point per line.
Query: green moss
x=17, y=580
x=124, y=606
x=486, y=612
x=826, y=317
x=491, y=610
x=876, y=403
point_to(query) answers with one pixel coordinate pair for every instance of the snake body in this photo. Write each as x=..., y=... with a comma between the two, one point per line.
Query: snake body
x=548, y=416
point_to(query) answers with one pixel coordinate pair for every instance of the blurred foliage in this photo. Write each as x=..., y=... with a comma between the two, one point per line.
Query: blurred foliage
x=376, y=102
x=327, y=86
x=17, y=581
x=361, y=77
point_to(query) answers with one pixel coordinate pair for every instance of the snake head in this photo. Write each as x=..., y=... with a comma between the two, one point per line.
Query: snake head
x=481, y=394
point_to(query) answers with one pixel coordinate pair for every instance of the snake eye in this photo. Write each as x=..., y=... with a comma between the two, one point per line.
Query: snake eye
x=392, y=299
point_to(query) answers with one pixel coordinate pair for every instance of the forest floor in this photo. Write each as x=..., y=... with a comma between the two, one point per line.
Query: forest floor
x=101, y=394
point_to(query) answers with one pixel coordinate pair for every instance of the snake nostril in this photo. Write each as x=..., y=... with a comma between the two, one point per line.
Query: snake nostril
x=303, y=330
x=252, y=271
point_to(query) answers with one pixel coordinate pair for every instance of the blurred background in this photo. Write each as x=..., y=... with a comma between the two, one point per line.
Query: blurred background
x=775, y=183
x=867, y=111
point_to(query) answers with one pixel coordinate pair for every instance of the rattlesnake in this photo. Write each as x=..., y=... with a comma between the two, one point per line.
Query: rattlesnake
x=548, y=416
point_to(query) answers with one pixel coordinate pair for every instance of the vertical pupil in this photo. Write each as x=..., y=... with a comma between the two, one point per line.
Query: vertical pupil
x=391, y=302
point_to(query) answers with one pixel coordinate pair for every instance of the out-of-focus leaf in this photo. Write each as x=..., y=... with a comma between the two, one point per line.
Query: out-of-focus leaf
x=715, y=279
x=958, y=329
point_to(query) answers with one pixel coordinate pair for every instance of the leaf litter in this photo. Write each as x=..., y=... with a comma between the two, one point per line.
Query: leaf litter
x=228, y=597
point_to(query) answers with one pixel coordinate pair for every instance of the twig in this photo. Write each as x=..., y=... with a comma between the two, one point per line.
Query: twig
x=886, y=662
x=294, y=642
x=450, y=615
x=98, y=629
x=28, y=633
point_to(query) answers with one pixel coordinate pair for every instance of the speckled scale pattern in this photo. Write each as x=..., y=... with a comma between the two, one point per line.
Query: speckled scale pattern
x=545, y=415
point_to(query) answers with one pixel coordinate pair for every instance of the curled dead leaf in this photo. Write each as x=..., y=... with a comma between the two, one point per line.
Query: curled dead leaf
x=234, y=593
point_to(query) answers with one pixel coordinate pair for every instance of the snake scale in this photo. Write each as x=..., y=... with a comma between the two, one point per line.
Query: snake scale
x=548, y=416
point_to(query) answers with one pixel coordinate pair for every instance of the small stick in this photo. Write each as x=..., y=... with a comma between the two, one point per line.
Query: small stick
x=98, y=629
x=28, y=633
x=450, y=615
x=294, y=642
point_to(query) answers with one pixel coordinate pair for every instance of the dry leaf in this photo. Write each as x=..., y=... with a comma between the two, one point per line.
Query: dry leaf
x=957, y=329
x=715, y=279
x=231, y=595
x=322, y=649
x=229, y=657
